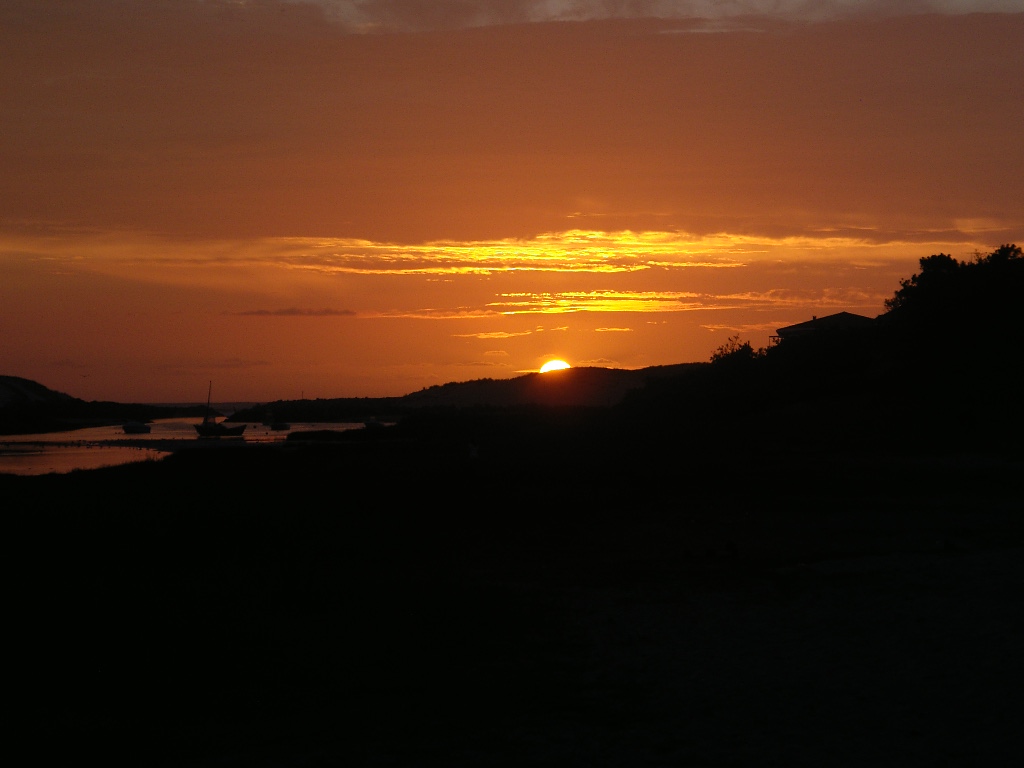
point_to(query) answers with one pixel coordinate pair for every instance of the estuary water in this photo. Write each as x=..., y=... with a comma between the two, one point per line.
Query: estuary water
x=95, y=447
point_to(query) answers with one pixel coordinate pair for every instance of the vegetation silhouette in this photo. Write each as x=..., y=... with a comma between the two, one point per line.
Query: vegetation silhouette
x=936, y=371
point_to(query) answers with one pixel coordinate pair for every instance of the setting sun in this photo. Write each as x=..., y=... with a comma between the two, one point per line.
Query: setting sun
x=554, y=365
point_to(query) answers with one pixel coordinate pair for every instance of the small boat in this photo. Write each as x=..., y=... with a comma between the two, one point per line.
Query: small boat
x=276, y=425
x=135, y=428
x=210, y=427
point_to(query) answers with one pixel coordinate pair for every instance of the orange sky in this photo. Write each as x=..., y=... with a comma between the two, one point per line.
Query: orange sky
x=343, y=199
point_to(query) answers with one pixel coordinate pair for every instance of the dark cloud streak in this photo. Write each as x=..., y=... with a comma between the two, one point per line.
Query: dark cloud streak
x=296, y=312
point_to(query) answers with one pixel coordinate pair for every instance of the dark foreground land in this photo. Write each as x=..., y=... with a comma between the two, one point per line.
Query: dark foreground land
x=401, y=602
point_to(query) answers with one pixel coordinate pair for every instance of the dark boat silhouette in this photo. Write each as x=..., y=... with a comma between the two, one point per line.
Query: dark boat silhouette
x=275, y=424
x=210, y=427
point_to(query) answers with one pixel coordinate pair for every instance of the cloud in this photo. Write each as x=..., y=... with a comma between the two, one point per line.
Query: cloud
x=608, y=301
x=434, y=313
x=416, y=15
x=571, y=251
x=744, y=328
x=297, y=312
x=390, y=16
x=568, y=302
x=233, y=363
x=492, y=335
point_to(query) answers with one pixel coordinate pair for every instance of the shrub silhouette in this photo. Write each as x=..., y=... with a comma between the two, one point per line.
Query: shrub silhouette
x=735, y=352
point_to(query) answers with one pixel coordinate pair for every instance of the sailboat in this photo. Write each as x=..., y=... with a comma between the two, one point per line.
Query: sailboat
x=210, y=427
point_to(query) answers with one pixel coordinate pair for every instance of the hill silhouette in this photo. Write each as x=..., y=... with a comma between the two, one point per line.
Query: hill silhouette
x=28, y=407
x=575, y=387
x=16, y=392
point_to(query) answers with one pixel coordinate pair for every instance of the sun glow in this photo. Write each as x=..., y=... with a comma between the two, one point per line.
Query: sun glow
x=554, y=365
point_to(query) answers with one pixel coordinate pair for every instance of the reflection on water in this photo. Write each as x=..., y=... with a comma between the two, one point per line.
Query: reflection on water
x=96, y=447
x=34, y=459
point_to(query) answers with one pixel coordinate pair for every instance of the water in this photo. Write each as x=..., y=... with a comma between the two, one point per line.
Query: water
x=95, y=447
x=38, y=459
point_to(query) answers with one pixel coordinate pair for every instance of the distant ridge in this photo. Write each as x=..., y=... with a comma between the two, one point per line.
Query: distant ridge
x=586, y=387
x=28, y=407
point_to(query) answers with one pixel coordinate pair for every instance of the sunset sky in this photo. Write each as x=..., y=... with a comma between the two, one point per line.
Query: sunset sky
x=350, y=198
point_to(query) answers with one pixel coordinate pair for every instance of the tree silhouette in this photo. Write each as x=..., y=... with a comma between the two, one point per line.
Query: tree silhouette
x=734, y=351
x=947, y=285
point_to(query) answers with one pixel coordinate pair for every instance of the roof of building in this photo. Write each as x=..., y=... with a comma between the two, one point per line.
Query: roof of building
x=838, y=321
